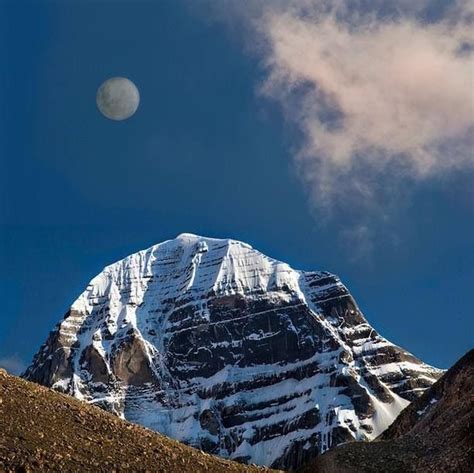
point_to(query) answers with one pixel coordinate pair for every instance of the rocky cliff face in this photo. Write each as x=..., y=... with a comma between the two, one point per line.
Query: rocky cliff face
x=445, y=410
x=213, y=343
x=435, y=433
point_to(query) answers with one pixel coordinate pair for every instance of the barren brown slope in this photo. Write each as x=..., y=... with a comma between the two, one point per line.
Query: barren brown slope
x=43, y=430
x=435, y=433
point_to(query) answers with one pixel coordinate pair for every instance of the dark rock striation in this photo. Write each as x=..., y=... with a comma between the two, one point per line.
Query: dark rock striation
x=213, y=343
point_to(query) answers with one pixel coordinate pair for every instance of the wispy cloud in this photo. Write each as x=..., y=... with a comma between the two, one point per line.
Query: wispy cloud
x=380, y=95
x=13, y=364
x=371, y=95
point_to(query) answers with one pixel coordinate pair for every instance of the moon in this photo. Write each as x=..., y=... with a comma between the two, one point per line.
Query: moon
x=118, y=98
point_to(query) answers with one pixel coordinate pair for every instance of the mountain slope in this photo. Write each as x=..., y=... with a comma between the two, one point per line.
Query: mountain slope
x=217, y=345
x=435, y=433
x=41, y=430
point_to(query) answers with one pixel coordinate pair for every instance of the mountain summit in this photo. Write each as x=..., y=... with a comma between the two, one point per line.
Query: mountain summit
x=217, y=345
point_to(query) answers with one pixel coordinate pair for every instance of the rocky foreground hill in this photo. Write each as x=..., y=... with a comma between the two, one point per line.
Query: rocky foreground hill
x=42, y=430
x=434, y=434
x=212, y=343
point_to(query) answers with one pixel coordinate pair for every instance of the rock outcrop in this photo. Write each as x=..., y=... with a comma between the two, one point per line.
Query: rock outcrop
x=219, y=346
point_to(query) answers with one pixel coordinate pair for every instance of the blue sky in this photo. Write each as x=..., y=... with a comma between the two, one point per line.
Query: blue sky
x=209, y=153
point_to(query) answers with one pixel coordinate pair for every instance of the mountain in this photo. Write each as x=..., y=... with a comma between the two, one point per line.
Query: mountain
x=435, y=433
x=215, y=344
x=42, y=430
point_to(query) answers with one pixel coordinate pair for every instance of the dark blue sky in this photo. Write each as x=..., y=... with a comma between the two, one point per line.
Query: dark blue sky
x=204, y=154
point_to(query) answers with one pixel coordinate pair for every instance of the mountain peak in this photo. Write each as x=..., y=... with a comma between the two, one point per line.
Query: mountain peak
x=191, y=238
x=215, y=344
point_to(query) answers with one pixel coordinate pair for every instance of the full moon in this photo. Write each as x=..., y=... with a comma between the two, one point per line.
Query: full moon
x=118, y=98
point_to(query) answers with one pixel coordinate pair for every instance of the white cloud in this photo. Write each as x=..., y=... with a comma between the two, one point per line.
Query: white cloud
x=370, y=96
x=380, y=93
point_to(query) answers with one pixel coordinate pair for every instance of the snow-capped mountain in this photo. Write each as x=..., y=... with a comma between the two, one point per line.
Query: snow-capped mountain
x=217, y=345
